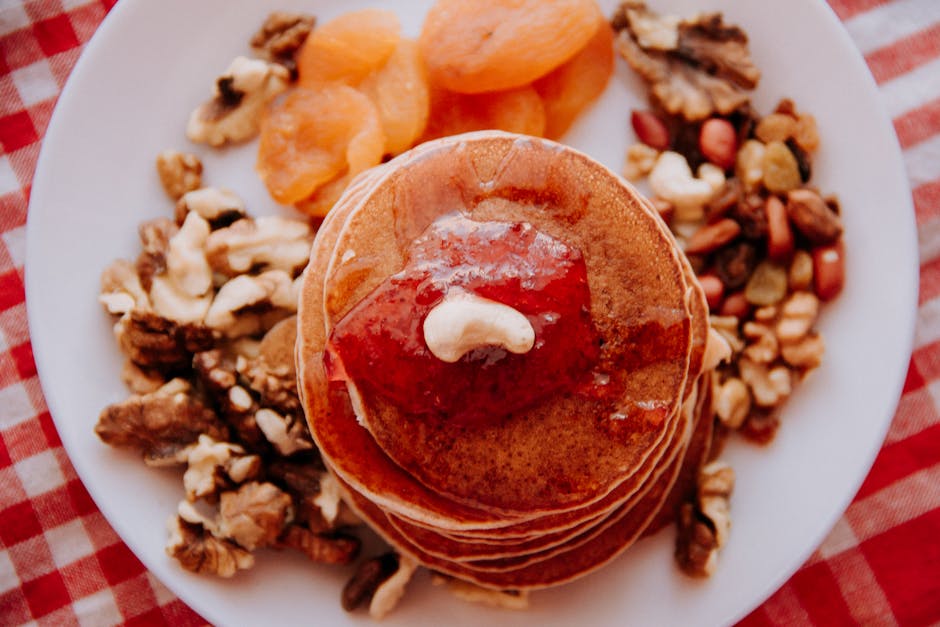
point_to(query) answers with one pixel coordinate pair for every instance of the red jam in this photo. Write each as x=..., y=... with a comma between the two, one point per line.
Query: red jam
x=379, y=344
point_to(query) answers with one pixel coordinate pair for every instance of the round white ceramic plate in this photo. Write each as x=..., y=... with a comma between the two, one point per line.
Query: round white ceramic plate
x=129, y=97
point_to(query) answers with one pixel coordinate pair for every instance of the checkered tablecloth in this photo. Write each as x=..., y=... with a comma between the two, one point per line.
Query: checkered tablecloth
x=61, y=563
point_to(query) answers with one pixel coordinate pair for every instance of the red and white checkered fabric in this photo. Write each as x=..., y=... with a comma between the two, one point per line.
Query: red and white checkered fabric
x=61, y=563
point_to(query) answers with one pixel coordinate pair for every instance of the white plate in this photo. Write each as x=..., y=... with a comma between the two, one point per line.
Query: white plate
x=151, y=63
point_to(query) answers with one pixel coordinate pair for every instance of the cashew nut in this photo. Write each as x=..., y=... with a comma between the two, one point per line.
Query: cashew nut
x=672, y=180
x=463, y=322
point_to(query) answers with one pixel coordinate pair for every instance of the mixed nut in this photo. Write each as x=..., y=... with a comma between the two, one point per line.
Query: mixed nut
x=735, y=189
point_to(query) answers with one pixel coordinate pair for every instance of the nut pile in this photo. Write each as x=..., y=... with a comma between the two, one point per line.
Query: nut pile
x=205, y=319
x=735, y=188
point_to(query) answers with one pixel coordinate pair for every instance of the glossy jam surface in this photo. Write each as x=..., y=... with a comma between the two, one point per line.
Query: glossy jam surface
x=379, y=345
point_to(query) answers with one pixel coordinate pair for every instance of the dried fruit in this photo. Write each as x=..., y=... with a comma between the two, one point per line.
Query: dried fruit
x=515, y=110
x=491, y=45
x=828, y=270
x=749, y=167
x=776, y=127
x=571, y=87
x=650, y=129
x=734, y=264
x=806, y=134
x=348, y=48
x=803, y=162
x=401, y=94
x=767, y=285
x=781, y=170
x=718, y=142
x=313, y=137
x=800, y=276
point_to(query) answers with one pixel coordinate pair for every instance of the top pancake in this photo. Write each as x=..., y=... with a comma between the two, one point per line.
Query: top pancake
x=570, y=449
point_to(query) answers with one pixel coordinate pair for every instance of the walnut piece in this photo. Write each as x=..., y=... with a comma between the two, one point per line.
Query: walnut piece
x=371, y=573
x=255, y=515
x=466, y=591
x=219, y=207
x=287, y=433
x=639, y=161
x=272, y=373
x=234, y=112
x=281, y=36
x=179, y=172
x=703, y=526
x=695, y=67
x=249, y=304
x=335, y=548
x=121, y=290
x=732, y=402
x=389, y=592
x=183, y=292
x=160, y=422
x=316, y=495
x=266, y=243
x=155, y=241
x=198, y=551
x=141, y=380
x=153, y=342
x=210, y=463
x=215, y=371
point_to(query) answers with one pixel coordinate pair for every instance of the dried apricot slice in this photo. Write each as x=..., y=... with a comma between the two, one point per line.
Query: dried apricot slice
x=401, y=94
x=313, y=136
x=347, y=48
x=489, y=45
x=515, y=110
x=568, y=89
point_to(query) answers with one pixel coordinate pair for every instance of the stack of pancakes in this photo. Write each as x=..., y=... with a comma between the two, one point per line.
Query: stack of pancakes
x=566, y=484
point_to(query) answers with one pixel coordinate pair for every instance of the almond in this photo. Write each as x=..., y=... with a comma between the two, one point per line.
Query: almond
x=812, y=216
x=713, y=236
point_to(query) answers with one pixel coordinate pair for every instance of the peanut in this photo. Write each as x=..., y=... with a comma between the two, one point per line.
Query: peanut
x=718, y=142
x=828, y=270
x=650, y=129
x=714, y=290
x=736, y=305
x=780, y=241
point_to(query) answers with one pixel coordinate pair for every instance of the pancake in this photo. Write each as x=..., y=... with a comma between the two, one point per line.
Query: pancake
x=568, y=482
x=571, y=449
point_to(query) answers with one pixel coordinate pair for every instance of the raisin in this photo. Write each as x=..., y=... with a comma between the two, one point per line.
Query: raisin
x=802, y=159
x=751, y=215
x=735, y=263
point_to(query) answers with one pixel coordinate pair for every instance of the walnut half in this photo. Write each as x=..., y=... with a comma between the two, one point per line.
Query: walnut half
x=234, y=112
